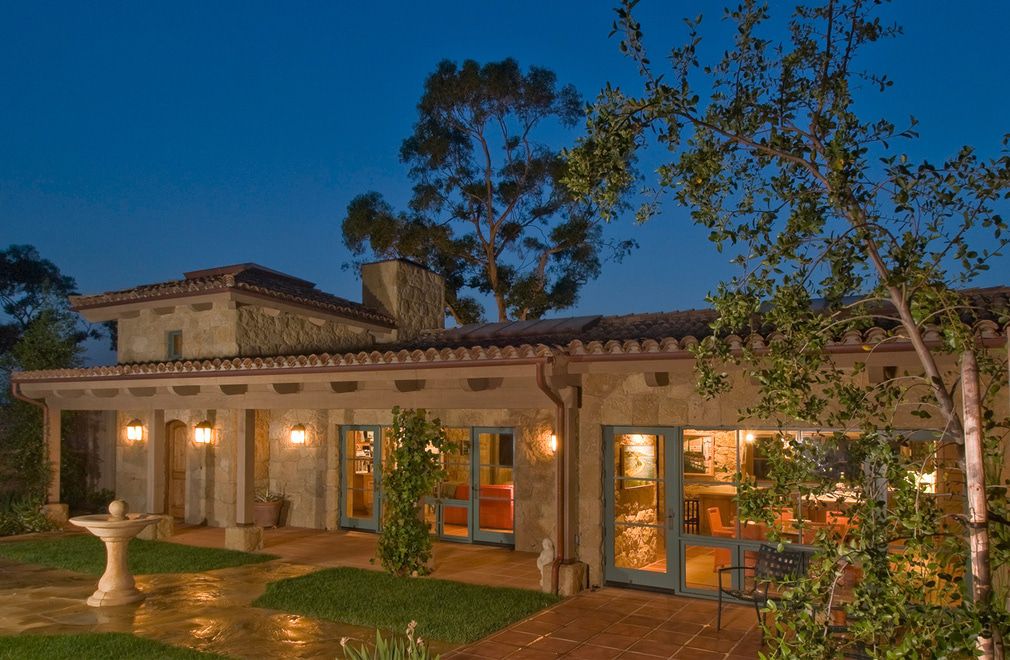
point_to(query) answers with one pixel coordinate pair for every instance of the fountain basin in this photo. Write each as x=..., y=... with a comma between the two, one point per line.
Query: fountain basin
x=116, y=586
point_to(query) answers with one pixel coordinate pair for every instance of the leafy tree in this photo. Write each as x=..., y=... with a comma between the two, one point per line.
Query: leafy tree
x=835, y=228
x=413, y=470
x=28, y=284
x=489, y=211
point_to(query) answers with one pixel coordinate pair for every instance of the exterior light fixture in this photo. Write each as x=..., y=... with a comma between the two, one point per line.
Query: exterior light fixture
x=298, y=434
x=203, y=433
x=553, y=443
x=135, y=430
x=749, y=437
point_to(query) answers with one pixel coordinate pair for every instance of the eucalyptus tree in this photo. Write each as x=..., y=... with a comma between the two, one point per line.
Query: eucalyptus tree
x=835, y=228
x=488, y=210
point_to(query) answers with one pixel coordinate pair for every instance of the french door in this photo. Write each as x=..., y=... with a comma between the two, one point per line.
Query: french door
x=361, y=476
x=476, y=502
x=641, y=531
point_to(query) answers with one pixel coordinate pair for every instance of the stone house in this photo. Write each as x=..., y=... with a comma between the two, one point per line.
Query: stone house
x=586, y=431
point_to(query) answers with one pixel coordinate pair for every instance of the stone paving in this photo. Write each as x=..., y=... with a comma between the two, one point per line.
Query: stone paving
x=212, y=611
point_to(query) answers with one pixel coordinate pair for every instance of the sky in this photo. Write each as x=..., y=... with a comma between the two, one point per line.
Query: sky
x=139, y=140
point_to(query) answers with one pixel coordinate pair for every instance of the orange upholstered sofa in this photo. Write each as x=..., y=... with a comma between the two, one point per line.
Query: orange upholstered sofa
x=497, y=506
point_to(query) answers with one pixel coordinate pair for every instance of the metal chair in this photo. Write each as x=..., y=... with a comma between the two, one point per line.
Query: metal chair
x=771, y=567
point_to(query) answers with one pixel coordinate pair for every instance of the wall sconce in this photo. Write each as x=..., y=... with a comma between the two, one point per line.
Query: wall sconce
x=203, y=433
x=749, y=437
x=298, y=434
x=552, y=442
x=135, y=430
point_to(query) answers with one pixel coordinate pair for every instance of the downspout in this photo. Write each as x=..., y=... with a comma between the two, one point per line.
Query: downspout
x=560, y=430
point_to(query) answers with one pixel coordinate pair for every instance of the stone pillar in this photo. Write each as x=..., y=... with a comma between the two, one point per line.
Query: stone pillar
x=332, y=489
x=156, y=468
x=245, y=535
x=53, y=431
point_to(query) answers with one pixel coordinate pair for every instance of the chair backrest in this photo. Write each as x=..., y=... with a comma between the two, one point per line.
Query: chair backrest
x=773, y=565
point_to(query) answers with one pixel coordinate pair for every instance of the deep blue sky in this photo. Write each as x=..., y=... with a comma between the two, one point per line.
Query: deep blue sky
x=143, y=139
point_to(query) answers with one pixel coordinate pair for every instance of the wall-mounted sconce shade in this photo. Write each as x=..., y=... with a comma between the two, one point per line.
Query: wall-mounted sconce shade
x=203, y=433
x=135, y=430
x=749, y=437
x=298, y=434
x=553, y=442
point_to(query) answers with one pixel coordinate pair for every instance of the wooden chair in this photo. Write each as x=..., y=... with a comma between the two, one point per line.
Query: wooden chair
x=771, y=567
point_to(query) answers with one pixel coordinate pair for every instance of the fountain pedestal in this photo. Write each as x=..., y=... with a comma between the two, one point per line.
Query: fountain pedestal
x=117, y=586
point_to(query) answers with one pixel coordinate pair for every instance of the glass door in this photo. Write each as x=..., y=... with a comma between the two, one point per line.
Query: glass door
x=494, y=509
x=642, y=536
x=454, y=514
x=361, y=472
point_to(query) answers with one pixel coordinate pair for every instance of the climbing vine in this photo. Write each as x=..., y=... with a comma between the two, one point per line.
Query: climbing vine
x=413, y=470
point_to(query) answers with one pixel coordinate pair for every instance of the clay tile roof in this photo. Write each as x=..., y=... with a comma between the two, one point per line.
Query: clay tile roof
x=247, y=278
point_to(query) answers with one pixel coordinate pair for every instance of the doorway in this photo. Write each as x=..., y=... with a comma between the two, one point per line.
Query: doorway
x=175, y=482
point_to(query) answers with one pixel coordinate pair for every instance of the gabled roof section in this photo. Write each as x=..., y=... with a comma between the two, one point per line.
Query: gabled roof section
x=246, y=278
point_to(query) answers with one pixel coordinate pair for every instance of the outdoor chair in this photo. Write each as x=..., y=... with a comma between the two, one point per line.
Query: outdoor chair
x=771, y=567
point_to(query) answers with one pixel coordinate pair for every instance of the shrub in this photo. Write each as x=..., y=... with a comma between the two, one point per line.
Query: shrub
x=413, y=471
x=23, y=515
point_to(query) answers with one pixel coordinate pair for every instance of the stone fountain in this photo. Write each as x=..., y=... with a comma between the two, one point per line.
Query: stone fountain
x=116, y=587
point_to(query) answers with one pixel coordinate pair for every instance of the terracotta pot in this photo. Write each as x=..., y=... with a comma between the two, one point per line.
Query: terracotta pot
x=267, y=514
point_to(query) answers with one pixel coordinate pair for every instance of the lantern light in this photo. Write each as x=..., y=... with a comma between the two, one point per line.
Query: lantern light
x=135, y=430
x=553, y=443
x=203, y=433
x=749, y=437
x=298, y=434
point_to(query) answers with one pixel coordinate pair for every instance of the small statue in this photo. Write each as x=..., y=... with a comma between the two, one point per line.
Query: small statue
x=546, y=557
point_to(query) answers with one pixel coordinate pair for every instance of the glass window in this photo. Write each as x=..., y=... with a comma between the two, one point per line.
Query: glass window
x=709, y=469
x=174, y=341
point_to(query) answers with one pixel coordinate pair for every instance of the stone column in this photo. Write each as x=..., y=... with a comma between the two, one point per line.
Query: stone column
x=52, y=433
x=245, y=535
x=333, y=476
x=107, y=450
x=156, y=468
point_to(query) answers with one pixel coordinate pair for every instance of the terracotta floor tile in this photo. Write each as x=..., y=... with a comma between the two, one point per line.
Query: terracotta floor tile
x=515, y=637
x=698, y=654
x=670, y=637
x=645, y=621
x=613, y=641
x=489, y=649
x=622, y=628
x=634, y=655
x=535, y=627
x=654, y=647
x=530, y=653
x=712, y=643
x=575, y=633
x=591, y=652
x=554, y=644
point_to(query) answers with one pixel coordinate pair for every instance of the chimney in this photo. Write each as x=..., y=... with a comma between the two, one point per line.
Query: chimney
x=409, y=292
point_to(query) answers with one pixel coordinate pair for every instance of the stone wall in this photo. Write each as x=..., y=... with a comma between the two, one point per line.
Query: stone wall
x=300, y=471
x=261, y=334
x=205, y=334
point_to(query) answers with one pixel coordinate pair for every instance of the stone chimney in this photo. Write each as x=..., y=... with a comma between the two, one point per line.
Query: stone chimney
x=409, y=292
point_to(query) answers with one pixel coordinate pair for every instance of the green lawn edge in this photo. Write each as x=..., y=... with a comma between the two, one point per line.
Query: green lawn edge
x=85, y=646
x=86, y=554
x=445, y=610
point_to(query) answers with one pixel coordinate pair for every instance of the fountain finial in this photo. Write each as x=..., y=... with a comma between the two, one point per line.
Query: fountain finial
x=117, y=510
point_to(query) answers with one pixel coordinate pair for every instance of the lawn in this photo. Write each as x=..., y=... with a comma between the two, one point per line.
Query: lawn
x=86, y=554
x=86, y=646
x=444, y=610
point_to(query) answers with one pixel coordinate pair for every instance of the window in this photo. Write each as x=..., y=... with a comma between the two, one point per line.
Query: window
x=174, y=341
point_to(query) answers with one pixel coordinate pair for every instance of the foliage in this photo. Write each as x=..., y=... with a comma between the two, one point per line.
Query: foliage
x=835, y=229
x=23, y=515
x=396, y=648
x=489, y=211
x=413, y=471
x=444, y=610
x=86, y=646
x=269, y=496
x=84, y=553
x=38, y=331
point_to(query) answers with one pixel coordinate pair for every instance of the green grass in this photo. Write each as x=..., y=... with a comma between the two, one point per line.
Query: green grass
x=86, y=554
x=444, y=610
x=87, y=646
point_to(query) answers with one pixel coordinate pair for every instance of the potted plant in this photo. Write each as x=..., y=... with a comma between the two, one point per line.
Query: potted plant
x=267, y=508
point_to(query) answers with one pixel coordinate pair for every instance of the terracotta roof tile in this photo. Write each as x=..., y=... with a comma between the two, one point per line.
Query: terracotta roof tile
x=250, y=278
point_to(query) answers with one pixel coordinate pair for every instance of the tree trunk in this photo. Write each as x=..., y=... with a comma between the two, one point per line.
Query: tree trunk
x=978, y=518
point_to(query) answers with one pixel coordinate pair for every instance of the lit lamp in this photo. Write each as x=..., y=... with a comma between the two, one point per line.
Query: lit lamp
x=203, y=433
x=553, y=443
x=298, y=434
x=749, y=437
x=135, y=430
